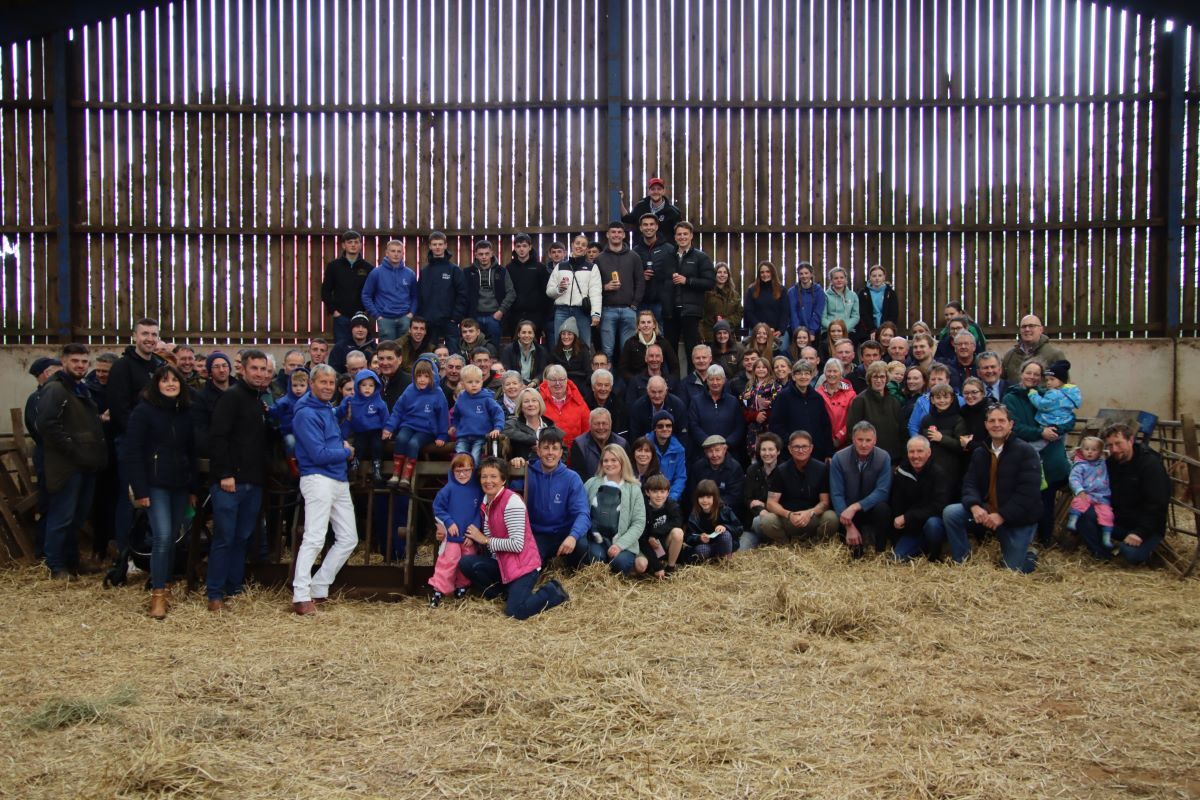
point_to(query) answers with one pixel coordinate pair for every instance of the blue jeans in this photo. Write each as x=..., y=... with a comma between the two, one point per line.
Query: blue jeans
x=926, y=542
x=470, y=444
x=408, y=442
x=1089, y=532
x=585, y=552
x=617, y=325
x=392, y=328
x=623, y=563
x=490, y=328
x=582, y=320
x=1014, y=539
x=235, y=519
x=523, y=601
x=68, y=509
x=166, y=513
x=341, y=330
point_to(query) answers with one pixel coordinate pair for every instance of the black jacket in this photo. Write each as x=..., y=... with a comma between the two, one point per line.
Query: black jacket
x=668, y=216
x=918, y=496
x=1018, y=482
x=578, y=365
x=442, y=287
x=337, y=356
x=341, y=288
x=632, y=360
x=656, y=257
x=395, y=387
x=729, y=477
x=237, y=439
x=616, y=407
x=866, y=311
x=1141, y=493
x=158, y=449
x=69, y=424
x=126, y=380
x=688, y=300
x=529, y=279
x=510, y=357
x=641, y=417
x=203, y=404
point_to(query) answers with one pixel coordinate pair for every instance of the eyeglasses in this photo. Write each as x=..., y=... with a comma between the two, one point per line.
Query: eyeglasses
x=972, y=393
x=800, y=447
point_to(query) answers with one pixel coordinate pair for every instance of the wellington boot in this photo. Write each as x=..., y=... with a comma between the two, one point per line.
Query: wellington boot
x=410, y=466
x=397, y=468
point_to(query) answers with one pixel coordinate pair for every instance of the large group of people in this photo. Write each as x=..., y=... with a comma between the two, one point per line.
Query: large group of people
x=621, y=402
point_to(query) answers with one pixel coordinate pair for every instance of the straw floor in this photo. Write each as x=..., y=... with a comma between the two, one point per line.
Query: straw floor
x=790, y=673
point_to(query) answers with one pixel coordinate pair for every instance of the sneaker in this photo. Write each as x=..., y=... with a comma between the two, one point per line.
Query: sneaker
x=436, y=600
x=460, y=593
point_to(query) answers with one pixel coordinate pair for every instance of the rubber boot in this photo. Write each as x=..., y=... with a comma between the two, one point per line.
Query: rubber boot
x=158, y=604
x=293, y=467
x=377, y=472
x=410, y=466
x=397, y=467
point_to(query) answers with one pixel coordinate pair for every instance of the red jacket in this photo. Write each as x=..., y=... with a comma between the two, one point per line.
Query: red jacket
x=572, y=417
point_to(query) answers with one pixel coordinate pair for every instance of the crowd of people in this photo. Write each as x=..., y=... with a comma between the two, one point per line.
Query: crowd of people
x=621, y=402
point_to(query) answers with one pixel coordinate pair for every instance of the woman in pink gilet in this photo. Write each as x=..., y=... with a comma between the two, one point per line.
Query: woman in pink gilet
x=514, y=563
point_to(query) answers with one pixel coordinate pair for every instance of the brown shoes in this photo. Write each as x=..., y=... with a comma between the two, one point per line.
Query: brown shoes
x=320, y=600
x=216, y=606
x=305, y=608
x=158, y=604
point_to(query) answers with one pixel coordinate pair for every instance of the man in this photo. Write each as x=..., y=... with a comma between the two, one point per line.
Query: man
x=898, y=349
x=654, y=367
x=452, y=377
x=104, y=498
x=922, y=351
x=723, y=469
x=813, y=357
x=185, y=361
x=1141, y=495
x=920, y=492
x=587, y=448
x=798, y=503
x=219, y=369
x=655, y=254
x=394, y=380
x=689, y=275
x=282, y=384
x=603, y=395
x=390, y=295
x=529, y=277
x=558, y=506
x=655, y=203
x=807, y=302
x=322, y=455
x=1032, y=342
x=415, y=343
x=716, y=412
x=356, y=361
x=342, y=286
x=860, y=481
x=672, y=458
x=74, y=450
x=656, y=399
x=989, y=370
x=318, y=353
x=360, y=340
x=695, y=384
x=490, y=291
x=963, y=365
x=239, y=455
x=798, y=407
x=843, y=351
x=623, y=288
x=443, y=293
x=869, y=352
x=1001, y=492
x=939, y=374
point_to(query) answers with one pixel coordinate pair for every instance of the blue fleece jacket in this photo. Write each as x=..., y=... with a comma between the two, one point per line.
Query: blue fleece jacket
x=365, y=413
x=1057, y=407
x=319, y=446
x=672, y=462
x=807, y=307
x=283, y=410
x=390, y=291
x=458, y=504
x=557, y=501
x=476, y=415
x=423, y=410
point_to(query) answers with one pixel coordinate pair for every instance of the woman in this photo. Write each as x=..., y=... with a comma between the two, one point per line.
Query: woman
x=800, y=340
x=572, y=354
x=725, y=349
x=158, y=453
x=920, y=326
x=837, y=395
x=884, y=334
x=840, y=301
x=762, y=341
x=943, y=426
x=836, y=331
x=916, y=381
x=758, y=480
x=506, y=533
x=510, y=388
x=633, y=352
x=564, y=403
x=766, y=303
x=722, y=302
x=525, y=355
x=945, y=346
x=1053, y=450
x=618, y=511
x=522, y=430
x=955, y=309
x=756, y=403
x=645, y=459
x=877, y=302
x=974, y=413
x=881, y=409
x=782, y=368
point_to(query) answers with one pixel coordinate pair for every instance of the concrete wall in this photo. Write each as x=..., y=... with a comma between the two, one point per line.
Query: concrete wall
x=1157, y=375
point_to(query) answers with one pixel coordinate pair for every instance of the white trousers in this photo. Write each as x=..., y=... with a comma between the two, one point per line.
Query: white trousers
x=324, y=499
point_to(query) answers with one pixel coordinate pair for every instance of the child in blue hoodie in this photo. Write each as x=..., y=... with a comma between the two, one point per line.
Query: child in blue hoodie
x=1057, y=404
x=476, y=415
x=282, y=412
x=456, y=507
x=421, y=416
x=367, y=413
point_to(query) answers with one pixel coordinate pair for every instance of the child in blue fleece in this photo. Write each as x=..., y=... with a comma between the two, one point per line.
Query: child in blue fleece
x=420, y=416
x=1057, y=404
x=284, y=410
x=456, y=507
x=476, y=415
x=367, y=413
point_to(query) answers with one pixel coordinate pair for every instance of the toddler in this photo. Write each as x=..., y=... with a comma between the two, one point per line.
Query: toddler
x=895, y=385
x=713, y=526
x=476, y=415
x=1089, y=484
x=456, y=507
x=282, y=412
x=367, y=412
x=421, y=416
x=1056, y=406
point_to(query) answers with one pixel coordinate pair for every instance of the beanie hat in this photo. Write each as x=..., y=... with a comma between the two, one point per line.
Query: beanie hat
x=661, y=415
x=213, y=356
x=1060, y=370
x=569, y=324
x=722, y=325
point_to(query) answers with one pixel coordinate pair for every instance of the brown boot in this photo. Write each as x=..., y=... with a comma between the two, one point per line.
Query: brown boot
x=410, y=466
x=398, y=463
x=158, y=604
x=216, y=606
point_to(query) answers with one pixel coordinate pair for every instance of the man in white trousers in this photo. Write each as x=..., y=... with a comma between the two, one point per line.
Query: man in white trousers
x=322, y=455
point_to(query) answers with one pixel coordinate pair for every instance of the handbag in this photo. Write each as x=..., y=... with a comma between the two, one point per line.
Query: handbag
x=586, y=304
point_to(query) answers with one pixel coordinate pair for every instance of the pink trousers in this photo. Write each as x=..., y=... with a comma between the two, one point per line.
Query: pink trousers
x=446, y=577
x=1104, y=515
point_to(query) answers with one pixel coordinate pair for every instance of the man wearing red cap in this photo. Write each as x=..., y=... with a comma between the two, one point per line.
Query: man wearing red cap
x=656, y=203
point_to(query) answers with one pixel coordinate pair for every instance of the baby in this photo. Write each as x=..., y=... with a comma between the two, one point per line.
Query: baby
x=1089, y=484
x=1056, y=406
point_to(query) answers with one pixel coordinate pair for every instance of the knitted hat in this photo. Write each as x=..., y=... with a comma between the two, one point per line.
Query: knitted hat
x=569, y=324
x=213, y=356
x=1060, y=370
x=360, y=319
x=722, y=325
x=659, y=416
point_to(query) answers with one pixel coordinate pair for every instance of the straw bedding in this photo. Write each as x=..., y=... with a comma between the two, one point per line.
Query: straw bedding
x=790, y=673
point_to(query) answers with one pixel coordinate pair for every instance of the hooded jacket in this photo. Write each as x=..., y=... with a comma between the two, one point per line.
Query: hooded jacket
x=284, y=408
x=558, y=503
x=442, y=291
x=489, y=290
x=672, y=463
x=948, y=454
x=365, y=413
x=1090, y=478
x=583, y=283
x=572, y=417
x=842, y=306
x=158, y=449
x=319, y=446
x=69, y=426
x=390, y=291
x=807, y=307
x=476, y=415
x=458, y=504
x=632, y=514
x=1057, y=406
x=424, y=410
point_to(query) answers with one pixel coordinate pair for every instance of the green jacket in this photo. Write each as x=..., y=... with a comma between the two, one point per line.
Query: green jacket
x=72, y=436
x=884, y=413
x=1054, y=454
x=633, y=512
x=1043, y=352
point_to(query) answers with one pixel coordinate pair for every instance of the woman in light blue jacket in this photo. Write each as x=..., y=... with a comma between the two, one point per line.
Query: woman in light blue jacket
x=840, y=302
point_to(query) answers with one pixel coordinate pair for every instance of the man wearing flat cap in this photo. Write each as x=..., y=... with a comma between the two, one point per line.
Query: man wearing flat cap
x=42, y=370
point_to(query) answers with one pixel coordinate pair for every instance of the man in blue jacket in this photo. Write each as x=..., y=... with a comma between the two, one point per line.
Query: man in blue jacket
x=860, y=485
x=390, y=293
x=443, y=293
x=558, y=506
x=322, y=455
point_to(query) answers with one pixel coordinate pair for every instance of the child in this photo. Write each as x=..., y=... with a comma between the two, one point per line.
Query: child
x=456, y=507
x=476, y=415
x=1056, y=406
x=1089, y=484
x=895, y=384
x=421, y=416
x=663, y=535
x=712, y=526
x=367, y=412
x=282, y=412
x=345, y=388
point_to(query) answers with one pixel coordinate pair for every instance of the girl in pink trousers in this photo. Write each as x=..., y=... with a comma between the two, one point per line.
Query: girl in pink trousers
x=456, y=507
